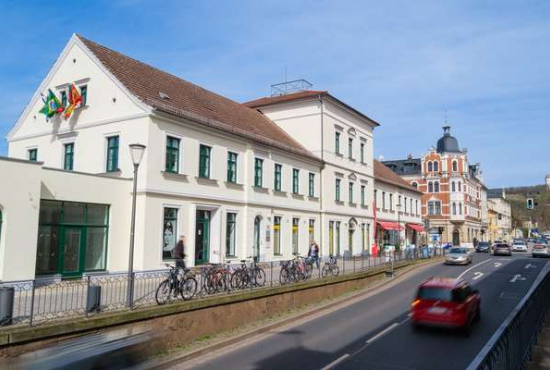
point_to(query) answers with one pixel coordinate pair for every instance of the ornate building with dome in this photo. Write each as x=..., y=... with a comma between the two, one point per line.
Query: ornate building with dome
x=454, y=203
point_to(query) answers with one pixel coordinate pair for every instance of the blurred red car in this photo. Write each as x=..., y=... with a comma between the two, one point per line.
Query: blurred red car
x=446, y=303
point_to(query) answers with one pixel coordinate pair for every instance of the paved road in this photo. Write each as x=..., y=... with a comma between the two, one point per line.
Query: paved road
x=375, y=333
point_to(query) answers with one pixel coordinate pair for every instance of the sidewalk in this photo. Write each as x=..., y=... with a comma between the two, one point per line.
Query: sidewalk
x=541, y=352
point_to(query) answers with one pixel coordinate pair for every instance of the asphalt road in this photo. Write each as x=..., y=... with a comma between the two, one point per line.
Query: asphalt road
x=376, y=333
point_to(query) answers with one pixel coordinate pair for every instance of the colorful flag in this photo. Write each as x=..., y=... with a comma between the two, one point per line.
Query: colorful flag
x=52, y=105
x=75, y=101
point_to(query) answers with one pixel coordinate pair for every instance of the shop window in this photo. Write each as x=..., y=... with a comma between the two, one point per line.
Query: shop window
x=231, y=234
x=295, y=235
x=169, y=232
x=277, y=236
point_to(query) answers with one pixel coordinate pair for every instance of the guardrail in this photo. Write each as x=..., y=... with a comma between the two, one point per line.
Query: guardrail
x=510, y=347
x=40, y=301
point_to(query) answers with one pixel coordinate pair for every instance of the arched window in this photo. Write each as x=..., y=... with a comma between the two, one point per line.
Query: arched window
x=436, y=166
x=415, y=185
x=454, y=208
x=453, y=189
x=430, y=167
x=436, y=187
x=459, y=187
x=430, y=187
x=455, y=166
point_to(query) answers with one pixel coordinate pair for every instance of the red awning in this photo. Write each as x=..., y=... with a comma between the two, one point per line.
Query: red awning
x=386, y=225
x=416, y=227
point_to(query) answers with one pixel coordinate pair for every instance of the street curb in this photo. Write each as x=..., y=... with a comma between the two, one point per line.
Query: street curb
x=164, y=364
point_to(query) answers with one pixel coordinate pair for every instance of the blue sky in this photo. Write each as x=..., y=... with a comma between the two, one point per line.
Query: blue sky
x=403, y=63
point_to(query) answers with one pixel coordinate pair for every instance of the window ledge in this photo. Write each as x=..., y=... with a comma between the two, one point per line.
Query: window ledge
x=206, y=180
x=279, y=193
x=364, y=206
x=351, y=159
x=339, y=202
x=260, y=189
x=339, y=154
x=116, y=172
x=232, y=184
x=297, y=196
x=174, y=175
x=313, y=198
x=352, y=204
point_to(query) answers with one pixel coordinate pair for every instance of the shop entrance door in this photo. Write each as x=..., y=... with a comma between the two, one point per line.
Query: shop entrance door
x=202, y=237
x=72, y=252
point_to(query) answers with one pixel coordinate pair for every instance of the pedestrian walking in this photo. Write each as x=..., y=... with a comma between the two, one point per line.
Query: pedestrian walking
x=314, y=252
x=178, y=253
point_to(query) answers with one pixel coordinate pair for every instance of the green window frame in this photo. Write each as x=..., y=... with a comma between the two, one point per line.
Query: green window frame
x=230, y=234
x=33, y=155
x=84, y=94
x=350, y=192
x=311, y=184
x=337, y=142
x=112, y=153
x=258, y=172
x=64, y=98
x=350, y=148
x=277, y=236
x=68, y=160
x=362, y=153
x=172, y=154
x=363, y=187
x=232, y=167
x=204, y=161
x=277, y=177
x=295, y=181
x=337, y=190
x=295, y=235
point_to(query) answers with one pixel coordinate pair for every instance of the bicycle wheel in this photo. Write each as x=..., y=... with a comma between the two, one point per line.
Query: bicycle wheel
x=326, y=271
x=188, y=288
x=335, y=270
x=236, y=280
x=163, y=292
x=308, y=271
x=284, y=276
x=259, y=276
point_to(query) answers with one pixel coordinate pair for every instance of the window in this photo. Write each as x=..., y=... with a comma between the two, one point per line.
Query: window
x=455, y=166
x=350, y=148
x=169, y=232
x=84, y=94
x=64, y=98
x=391, y=202
x=416, y=207
x=459, y=187
x=278, y=173
x=277, y=236
x=337, y=143
x=231, y=234
x=454, y=208
x=295, y=225
x=204, y=161
x=350, y=188
x=430, y=167
x=112, y=153
x=232, y=167
x=295, y=181
x=33, y=155
x=415, y=185
x=172, y=154
x=376, y=198
x=383, y=200
x=362, y=153
x=405, y=204
x=258, y=172
x=411, y=205
x=436, y=187
x=436, y=166
x=453, y=189
x=337, y=238
x=337, y=190
x=311, y=184
x=460, y=208
x=499, y=218
x=363, y=195
x=430, y=187
x=434, y=208
x=68, y=157
x=311, y=230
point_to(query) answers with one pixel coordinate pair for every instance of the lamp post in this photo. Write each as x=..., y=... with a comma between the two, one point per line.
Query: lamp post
x=136, y=153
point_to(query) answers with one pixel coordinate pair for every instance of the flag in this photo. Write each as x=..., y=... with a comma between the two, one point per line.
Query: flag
x=75, y=101
x=52, y=105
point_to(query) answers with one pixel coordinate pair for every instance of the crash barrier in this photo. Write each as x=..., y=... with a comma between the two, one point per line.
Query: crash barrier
x=511, y=345
x=39, y=301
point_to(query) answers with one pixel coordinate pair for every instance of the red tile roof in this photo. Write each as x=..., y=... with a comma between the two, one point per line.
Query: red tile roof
x=307, y=94
x=189, y=101
x=384, y=174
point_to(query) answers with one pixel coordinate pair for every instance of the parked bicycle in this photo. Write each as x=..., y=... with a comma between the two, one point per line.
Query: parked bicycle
x=330, y=267
x=295, y=271
x=244, y=276
x=179, y=282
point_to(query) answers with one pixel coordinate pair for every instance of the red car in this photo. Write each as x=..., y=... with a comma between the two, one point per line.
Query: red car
x=446, y=303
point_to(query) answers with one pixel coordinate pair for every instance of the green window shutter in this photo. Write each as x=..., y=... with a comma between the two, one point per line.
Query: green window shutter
x=311, y=184
x=278, y=173
x=295, y=181
x=69, y=157
x=112, y=153
x=231, y=167
x=172, y=154
x=204, y=161
x=258, y=172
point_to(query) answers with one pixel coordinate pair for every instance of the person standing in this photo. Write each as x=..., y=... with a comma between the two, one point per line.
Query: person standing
x=178, y=253
x=314, y=253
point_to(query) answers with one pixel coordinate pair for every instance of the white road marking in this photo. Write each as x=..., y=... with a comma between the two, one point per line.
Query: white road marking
x=336, y=362
x=529, y=266
x=498, y=264
x=477, y=275
x=473, y=267
x=391, y=327
x=404, y=321
x=517, y=277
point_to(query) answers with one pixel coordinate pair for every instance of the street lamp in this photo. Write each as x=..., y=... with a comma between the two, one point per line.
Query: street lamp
x=136, y=153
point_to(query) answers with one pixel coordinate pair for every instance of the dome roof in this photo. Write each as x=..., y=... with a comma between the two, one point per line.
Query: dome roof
x=447, y=143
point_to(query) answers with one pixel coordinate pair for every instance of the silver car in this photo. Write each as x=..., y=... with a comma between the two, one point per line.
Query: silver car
x=540, y=250
x=458, y=256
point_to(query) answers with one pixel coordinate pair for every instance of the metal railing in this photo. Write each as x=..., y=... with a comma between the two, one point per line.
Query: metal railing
x=39, y=301
x=510, y=347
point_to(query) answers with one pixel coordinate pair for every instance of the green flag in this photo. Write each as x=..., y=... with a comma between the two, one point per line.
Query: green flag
x=52, y=105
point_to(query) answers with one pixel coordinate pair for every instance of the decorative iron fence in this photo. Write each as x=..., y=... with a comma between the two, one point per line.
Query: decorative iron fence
x=40, y=301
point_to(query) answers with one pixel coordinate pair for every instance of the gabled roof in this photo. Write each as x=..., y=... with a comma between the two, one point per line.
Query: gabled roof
x=306, y=94
x=403, y=167
x=172, y=95
x=384, y=174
